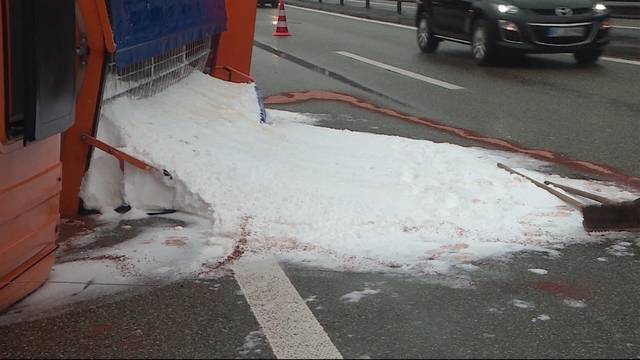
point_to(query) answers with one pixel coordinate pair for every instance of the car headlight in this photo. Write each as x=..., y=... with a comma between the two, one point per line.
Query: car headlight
x=505, y=9
x=599, y=8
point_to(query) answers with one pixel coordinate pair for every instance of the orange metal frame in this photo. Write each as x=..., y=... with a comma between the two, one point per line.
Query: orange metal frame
x=236, y=44
x=76, y=153
x=123, y=157
x=231, y=71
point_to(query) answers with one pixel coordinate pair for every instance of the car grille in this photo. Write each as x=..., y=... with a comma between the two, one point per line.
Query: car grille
x=540, y=34
x=552, y=12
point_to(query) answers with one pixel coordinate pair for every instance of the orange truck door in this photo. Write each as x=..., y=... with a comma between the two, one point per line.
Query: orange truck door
x=37, y=101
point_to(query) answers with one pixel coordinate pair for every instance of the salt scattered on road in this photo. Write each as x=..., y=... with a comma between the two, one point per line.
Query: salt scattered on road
x=543, y=317
x=251, y=344
x=575, y=303
x=522, y=304
x=620, y=249
x=539, y=271
x=356, y=296
x=311, y=299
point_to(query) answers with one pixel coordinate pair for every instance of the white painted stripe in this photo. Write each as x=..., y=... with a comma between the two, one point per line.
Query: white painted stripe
x=625, y=27
x=354, y=18
x=621, y=61
x=400, y=71
x=292, y=330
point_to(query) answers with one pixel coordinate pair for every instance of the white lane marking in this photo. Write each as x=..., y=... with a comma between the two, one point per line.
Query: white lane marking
x=400, y=71
x=292, y=330
x=625, y=27
x=353, y=17
x=621, y=61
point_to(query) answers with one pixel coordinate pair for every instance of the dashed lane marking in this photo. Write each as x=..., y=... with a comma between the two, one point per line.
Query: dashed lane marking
x=621, y=61
x=625, y=27
x=400, y=71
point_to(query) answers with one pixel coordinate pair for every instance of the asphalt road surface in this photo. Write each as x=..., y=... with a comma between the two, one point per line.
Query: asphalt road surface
x=546, y=101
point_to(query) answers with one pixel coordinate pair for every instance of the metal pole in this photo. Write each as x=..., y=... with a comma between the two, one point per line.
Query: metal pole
x=367, y=4
x=341, y=2
x=399, y=7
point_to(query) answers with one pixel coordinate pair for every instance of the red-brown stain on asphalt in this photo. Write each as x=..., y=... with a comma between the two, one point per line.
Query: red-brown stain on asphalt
x=605, y=171
x=238, y=250
x=562, y=289
x=100, y=329
x=176, y=242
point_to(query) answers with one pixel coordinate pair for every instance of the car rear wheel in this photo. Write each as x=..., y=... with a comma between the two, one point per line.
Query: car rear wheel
x=482, y=46
x=427, y=41
x=588, y=57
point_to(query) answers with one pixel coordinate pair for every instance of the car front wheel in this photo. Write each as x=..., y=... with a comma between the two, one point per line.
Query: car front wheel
x=482, y=46
x=427, y=41
x=588, y=57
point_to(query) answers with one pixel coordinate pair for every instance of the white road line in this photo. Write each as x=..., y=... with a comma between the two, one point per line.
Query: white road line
x=621, y=61
x=625, y=27
x=292, y=330
x=354, y=18
x=400, y=71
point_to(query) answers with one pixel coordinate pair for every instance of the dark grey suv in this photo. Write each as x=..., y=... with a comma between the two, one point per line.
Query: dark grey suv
x=495, y=27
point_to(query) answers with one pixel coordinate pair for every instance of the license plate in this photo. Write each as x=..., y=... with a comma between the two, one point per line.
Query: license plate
x=565, y=31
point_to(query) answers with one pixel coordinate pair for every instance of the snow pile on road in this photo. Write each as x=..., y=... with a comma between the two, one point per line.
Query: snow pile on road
x=338, y=199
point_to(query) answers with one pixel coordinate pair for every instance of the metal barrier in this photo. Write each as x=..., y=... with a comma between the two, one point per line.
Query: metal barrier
x=367, y=3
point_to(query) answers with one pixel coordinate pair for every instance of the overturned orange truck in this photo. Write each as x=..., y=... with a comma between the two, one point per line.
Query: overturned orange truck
x=57, y=59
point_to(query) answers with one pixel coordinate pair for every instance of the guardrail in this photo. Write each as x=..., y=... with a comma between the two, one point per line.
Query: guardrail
x=367, y=3
x=622, y=8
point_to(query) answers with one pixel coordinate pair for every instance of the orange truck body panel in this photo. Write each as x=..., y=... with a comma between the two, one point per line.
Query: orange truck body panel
x=236, y=44
x=75, y=153
x=30, y=184
x=30, y=181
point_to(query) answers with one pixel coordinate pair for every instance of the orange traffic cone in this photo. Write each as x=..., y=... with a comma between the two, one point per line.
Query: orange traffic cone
x=281, y=28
